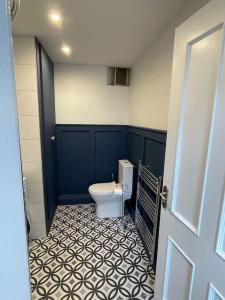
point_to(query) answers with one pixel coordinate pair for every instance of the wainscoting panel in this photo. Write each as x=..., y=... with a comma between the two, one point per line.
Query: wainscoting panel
x=87, y=154
x=147, y=145
x=74, y=160
x=135, y=146
x=110, y=146
x=154, y=152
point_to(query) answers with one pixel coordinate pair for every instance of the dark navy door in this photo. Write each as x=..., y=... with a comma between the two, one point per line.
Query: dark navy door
x=47, y=124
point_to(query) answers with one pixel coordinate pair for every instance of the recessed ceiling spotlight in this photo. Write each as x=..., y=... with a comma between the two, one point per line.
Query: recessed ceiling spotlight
x=66, y=49
x=55, y=17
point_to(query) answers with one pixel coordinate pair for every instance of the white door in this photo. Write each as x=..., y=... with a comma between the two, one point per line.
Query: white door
x=191, y=255
x=14, y=268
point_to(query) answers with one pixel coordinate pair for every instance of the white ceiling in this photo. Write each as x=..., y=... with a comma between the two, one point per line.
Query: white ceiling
x=101, y=32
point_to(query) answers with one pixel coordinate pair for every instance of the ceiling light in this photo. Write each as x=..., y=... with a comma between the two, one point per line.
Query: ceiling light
x=66, y=49
x=55, y=18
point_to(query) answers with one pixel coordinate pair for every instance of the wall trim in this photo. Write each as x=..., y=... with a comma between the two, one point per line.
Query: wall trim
x=148, y=129
x=113, y=125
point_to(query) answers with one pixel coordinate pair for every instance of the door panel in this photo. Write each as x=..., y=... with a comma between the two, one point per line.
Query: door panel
x=220, y=249
x=202, y=56
x=179, y=273
x=214, y=294
x=192, y=226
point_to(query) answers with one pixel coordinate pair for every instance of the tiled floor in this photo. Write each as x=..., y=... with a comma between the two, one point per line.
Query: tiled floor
x=87, y=258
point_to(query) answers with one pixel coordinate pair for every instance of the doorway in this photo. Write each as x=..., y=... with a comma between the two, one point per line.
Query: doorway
x=64, y=215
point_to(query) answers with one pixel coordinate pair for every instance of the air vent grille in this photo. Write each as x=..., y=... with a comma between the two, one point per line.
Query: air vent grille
x=118, y=76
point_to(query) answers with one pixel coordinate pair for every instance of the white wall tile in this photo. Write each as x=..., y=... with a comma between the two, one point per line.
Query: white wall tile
x=28, y=111
x=35, y=193
x=36, y=213
x=26, y=77
x=38, y=231
x=29, y=127
x=31, y=150
x=24, y=50
x=27, y=103
x=32, y=171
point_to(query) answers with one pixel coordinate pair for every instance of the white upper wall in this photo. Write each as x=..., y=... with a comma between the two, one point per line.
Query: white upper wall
x=151, y=76
x=82, y=96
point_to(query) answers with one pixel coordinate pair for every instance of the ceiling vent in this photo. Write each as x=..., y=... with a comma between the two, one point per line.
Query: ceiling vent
x=118, y=76
x=14, y=8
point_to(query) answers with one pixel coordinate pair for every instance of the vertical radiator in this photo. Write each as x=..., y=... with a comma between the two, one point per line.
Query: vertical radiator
x=148, y=209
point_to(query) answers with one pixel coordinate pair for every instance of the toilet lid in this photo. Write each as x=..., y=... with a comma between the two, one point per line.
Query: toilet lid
x=103, y=188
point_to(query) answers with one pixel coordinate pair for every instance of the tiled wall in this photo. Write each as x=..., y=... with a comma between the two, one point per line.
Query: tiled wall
x=28, y=111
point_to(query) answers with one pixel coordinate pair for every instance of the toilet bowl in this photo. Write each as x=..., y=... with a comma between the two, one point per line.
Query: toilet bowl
x=110, y=196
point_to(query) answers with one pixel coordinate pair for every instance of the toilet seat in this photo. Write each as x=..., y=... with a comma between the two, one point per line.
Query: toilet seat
x=103, y=188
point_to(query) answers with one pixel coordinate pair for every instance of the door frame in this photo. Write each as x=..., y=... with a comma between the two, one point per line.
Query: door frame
x=14, y=255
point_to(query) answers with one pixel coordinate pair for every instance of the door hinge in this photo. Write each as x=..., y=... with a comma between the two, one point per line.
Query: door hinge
x=164, y=196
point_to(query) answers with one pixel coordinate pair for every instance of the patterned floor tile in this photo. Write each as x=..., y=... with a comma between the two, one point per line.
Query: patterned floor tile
x=87, y=258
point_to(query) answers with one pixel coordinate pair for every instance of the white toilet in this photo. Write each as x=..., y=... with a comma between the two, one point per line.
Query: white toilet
x=110, y=196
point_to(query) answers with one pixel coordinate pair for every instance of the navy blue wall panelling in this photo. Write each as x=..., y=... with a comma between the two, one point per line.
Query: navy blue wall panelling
x=110, y=146
x=87, y=154
x=46, y=100
x=74, y=161
x=135, y=147
x=147, y=145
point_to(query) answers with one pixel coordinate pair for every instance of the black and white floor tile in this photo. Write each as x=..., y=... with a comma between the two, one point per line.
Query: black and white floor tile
x=87, y=258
